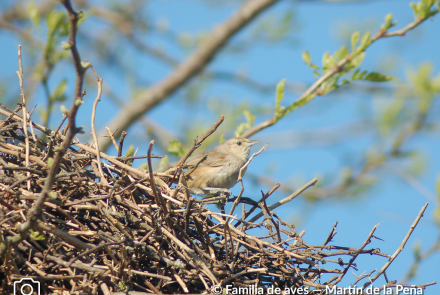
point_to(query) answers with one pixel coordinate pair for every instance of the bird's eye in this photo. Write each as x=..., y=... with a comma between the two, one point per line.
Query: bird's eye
x=239, y=143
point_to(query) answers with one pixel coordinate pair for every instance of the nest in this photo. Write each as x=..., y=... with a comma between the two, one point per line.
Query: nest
x=108, y=228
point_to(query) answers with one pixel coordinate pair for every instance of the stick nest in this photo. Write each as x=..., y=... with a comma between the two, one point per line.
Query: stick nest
x=96, y=236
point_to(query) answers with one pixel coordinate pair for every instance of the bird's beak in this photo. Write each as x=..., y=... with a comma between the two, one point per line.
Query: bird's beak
x=252, y=142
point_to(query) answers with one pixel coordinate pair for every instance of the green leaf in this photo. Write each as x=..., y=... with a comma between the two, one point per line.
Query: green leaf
x=327, y=60
x=53, y=195
x=306, y=58
x=57, y=26
x=279, y=95
x=129, y=153
x=415, y=9
x=365, y=42
x=144, y=166
x=390, y=116
x=49, y=162
x=59, y=92
x=163, y=162
x=358, y=76
x=53, y=20
x=123, y=286
x=35, y=235
x=300, y=103
x=362, y=74
x=85, y=65
x=354, y=41
x=63, y=109
x=78, y=102
x=425, y=86
x=388, y=22
x=250, y=121
x=308, y=61
x=175, y=148
x=341, y=53
x=377, y=77
x=437, y=186
x=34, y=14
x=357, y=60
x=66, y=45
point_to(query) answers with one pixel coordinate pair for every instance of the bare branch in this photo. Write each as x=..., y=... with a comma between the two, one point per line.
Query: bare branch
x=95, y=104
x=402, y=245
x=199, y=141
x=23, y=102
x=190, y=67
x=287, y=199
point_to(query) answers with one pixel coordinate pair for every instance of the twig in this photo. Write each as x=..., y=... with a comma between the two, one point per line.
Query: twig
x=331, y=234
x=11, y=115
x=159, y=200
x=110, y=133
x=356, y=254
x=199, y=141
x=240, y=179
x=240, y=173
x=287, y=199
x=402, y=245
x=97, y=99
x=52, y=139
x=121, y=143
x=23, y=102
x=63, y=235
x=259, y=270
x=91, y=250
x=265, y=196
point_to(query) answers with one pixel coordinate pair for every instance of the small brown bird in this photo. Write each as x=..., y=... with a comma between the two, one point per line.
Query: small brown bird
x=216, y=170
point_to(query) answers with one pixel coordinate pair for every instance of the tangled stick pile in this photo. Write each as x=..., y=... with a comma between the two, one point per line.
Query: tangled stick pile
x=122, y=232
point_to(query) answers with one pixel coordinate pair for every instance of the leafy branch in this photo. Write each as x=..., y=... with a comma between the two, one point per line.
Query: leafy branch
x=334, y=67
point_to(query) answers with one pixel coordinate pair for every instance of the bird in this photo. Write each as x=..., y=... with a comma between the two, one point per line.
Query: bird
x=216, y=171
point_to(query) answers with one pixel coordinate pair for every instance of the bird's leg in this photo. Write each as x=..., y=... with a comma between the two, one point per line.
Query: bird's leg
x=217, y=191
x=222, y=192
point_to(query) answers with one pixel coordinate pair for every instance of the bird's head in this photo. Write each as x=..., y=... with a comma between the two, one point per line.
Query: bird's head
x=238, y=146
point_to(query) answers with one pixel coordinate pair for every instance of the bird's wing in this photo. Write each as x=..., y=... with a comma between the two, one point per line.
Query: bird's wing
x=209, y=161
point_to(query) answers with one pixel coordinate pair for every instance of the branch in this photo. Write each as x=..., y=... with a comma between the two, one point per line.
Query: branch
x=188, y=68
x=288, y=199
x=95, y=104
x=339, y=67
x=159, y=200
x=402, y=245
x=355, y=255
x=199, y=141
x=23, y=102
x=35, y=211
x=240, y=179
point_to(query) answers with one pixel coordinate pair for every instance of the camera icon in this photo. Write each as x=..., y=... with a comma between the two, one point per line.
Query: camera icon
x=26, y=286
x=216, y=290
